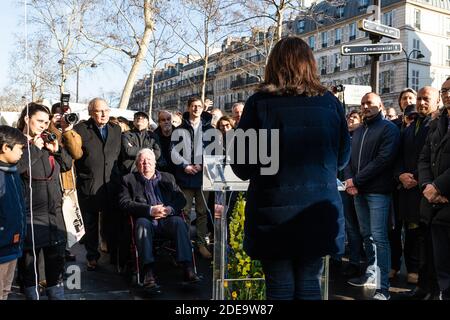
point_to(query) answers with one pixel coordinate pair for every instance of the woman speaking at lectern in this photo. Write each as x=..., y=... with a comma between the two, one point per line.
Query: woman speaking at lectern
x=293, y=218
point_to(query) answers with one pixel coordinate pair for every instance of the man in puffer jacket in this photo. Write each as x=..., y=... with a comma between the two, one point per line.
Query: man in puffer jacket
x=12, y=206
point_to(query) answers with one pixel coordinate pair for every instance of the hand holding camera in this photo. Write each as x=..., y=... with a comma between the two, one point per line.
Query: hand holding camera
x=50, y=141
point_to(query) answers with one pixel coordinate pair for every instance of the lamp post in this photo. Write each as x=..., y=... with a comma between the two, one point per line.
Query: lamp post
x=77, y=67
x=408, y=58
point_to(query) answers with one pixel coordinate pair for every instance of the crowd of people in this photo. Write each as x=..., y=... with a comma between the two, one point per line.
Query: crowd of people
x=133, y=185
x=118, y=170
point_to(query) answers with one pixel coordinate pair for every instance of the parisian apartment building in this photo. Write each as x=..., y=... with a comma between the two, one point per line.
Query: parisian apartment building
x=234, y=72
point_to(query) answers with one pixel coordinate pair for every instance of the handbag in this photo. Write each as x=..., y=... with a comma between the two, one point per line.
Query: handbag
x=72, y=217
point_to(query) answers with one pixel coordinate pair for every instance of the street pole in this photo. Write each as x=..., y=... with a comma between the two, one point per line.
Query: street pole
x=375, y=59
x=78, y=82
x=407, y=71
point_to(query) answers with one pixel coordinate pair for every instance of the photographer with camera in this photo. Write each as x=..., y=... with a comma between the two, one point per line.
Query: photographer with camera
x=61, y=125
x=44, y=212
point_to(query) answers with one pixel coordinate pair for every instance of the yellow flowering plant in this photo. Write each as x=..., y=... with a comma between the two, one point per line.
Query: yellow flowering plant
x=240, y=266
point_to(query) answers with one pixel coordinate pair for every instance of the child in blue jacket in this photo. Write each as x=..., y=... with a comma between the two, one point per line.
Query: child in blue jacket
x=12, y=206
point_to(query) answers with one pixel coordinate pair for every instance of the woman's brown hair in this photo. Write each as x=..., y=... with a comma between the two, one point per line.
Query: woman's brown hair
x=292, y=70
x=33, y=108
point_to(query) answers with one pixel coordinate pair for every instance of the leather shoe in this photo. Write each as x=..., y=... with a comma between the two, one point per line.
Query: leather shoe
x=190, y=276
x=150, y=281
x=204, y=252
x=417, y=294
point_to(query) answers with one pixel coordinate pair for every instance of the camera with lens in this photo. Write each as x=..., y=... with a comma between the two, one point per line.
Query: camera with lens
x=70, y=118
x=48, y=136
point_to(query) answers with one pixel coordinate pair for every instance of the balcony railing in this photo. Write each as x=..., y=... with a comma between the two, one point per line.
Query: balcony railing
x=240, y=82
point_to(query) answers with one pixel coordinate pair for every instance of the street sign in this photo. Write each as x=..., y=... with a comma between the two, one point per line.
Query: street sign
x=371, y=48
x=379, y=29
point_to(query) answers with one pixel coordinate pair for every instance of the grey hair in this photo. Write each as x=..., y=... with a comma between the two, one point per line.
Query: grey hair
x=93, y=102
x=142, y=151
x=236, y=104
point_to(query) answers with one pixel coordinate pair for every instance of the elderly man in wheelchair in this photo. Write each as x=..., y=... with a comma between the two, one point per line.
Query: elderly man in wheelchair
x=155, y=202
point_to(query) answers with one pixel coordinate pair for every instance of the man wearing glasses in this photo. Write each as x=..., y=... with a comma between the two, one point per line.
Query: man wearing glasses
x=164, y=132
x=96, y=171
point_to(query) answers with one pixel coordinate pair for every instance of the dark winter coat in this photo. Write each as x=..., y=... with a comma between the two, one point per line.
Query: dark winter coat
x=132, y=142
x=48, y=221
x=12, y=214
x=374, y=151
x=434, y=167
x=167, y=164
x=98, y=176
x=297, y=212
x=411, y=144
x=183, y=179
x=133, y=200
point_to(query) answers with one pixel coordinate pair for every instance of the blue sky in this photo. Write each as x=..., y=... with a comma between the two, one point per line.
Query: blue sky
x=107, y=77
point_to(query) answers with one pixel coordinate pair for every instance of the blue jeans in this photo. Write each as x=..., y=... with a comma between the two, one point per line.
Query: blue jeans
x=293, y=279
x=372, y=211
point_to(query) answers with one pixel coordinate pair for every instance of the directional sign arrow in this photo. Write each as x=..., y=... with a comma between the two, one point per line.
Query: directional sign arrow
x=379, y=29
x=374, y=48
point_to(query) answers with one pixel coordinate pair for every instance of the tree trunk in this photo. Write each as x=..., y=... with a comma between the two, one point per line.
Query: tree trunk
x=142, y=52
x=205, y=75
x=205, y=65
x=63, y=77
x=279, y=28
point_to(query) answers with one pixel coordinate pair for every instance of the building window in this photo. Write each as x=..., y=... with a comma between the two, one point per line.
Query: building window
x=448, y=26
x=337, y=62
x=448, y=56
x=351, y=63
x=363, y=4
x=386, y=82
x=416, y=46
x=323, y=65
x=386, y=57
x=417, y=19
x=388, y=18
x=352, y=31
x=337, y=36
x=300, y=26
x=324, y=37
x=312, y=42
x=340, y=11
x=415, y=80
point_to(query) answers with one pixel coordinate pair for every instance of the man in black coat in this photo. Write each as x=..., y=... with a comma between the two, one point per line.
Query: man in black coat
x=434, y=179
x=98, y=176
x=409, y=194
x=164, y=133
x=136, y=139
x=155, y=202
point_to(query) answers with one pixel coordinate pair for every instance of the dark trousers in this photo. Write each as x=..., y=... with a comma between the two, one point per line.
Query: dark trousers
x=293, y=279
x=410, y=248
x=427, y=273
x=172, y=227
x=54, y=265
x=354, y=238
x=441, y=246
x=90, y=238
